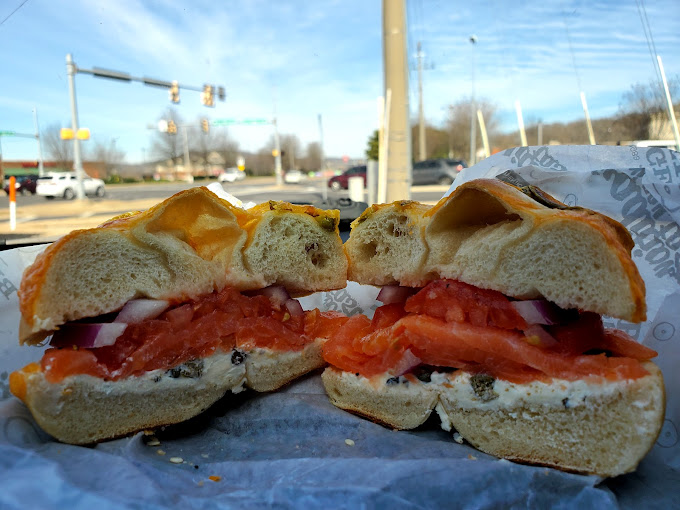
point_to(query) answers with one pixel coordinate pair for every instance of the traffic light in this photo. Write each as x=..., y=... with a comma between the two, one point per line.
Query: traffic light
x=221, y=94
x=174, y=92
x=172, y=127
x=207, y=98
x=205, y=125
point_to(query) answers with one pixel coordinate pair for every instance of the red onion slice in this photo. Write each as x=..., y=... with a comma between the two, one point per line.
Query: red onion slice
x=276, y=293
x=406, y=363
x=539, y=311
x=394, y=294
x=294, y=307
x=88, y=335
x=138, y=310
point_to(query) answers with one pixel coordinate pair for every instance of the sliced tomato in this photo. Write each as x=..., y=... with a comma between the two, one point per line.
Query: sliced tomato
x=455, y=301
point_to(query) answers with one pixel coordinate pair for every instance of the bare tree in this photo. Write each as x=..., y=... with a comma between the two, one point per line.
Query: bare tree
x=213, y=141
x=227, y=147
x=262, y=162
x=108, y=155
x=458, y=126
x=640, y=105
x=437, y=141
x=313, y=157
x=58, y=150
x=290, y=150
x=167, y=145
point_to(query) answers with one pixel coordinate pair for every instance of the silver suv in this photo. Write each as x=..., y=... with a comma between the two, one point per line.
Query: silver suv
x=437, y=171
x=65, y=184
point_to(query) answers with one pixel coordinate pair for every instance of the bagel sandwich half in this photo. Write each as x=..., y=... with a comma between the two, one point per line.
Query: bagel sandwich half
x=492, y=316
x=154, y=316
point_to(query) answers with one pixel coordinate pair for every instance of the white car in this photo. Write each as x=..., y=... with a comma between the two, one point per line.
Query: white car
x=65, y=184
x=293, y=176
x=231, y=175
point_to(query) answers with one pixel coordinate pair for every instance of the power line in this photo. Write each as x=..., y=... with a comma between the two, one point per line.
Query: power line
x=647, y=29
x=12, y=13
x=571, y=52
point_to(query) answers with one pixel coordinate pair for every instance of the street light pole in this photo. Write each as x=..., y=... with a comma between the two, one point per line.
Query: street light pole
x=71, y=70
x=473, y=108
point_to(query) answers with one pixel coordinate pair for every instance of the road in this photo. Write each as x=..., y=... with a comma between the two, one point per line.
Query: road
x=43, y=220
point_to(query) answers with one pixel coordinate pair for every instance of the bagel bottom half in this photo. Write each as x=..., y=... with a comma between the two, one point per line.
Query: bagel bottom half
x=82, y=409
x=578, y=426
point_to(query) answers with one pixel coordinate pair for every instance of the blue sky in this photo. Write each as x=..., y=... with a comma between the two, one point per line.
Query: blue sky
x=321, y=57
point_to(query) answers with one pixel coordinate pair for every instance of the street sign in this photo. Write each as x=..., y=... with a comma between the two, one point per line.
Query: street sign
x=7, y=133
x=229, y=122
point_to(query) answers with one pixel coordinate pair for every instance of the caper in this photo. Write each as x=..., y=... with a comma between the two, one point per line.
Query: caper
x=482, y=385
x=192, y=369
x=237, y=357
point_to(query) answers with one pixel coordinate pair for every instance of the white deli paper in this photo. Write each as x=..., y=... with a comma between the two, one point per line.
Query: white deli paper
x=289, y=448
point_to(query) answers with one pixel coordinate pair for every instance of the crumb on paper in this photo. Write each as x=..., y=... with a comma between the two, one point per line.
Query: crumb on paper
x=349, y=442
x=160, y=452
x=215, y=478
x=457, y=438
x=153, y=442
x=471, y=457
x=149, y=432
x=176, y=460
x=204, y=455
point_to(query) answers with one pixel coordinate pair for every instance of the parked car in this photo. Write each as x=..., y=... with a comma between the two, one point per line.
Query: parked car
x=293, y=176
x=437, y=171
x=25, y=184
x=231, y=175
x=65, y=185
x=342, y=181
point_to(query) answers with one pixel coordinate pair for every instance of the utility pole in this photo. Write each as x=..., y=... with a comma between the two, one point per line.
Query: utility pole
x=277, y=158
x=421, y=117
x=323, y=163
x=71, y=71
x=591, y=135
x=278, y=171
x=398, y=139
x=187, y=159
x=41, y=169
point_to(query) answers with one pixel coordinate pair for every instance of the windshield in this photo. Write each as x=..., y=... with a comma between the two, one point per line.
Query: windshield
x=155, y=97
